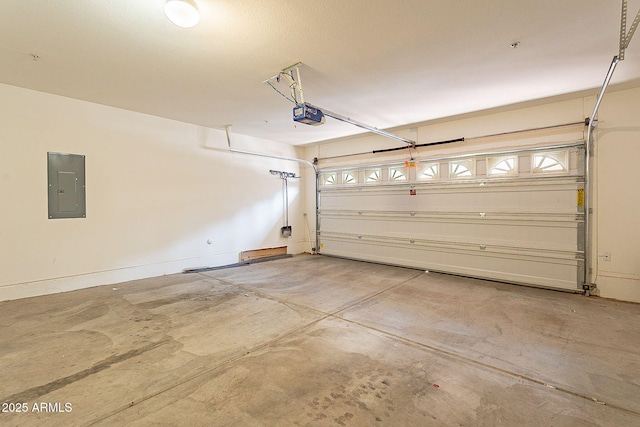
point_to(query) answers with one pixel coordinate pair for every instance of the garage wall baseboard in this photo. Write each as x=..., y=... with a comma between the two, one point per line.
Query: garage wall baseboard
x=119, y=275
x=108, y=277
x=617, y=287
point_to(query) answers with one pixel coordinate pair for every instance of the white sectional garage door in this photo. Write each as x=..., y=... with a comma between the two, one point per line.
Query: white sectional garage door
x=514, y=216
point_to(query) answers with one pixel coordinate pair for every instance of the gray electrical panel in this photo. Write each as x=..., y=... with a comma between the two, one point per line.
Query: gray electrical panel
x=66, y=185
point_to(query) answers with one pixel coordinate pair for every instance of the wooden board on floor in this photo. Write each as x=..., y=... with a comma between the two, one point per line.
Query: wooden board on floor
x=262, y=253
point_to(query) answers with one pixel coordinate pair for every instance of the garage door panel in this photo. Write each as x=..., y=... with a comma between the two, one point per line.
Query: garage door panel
x=558, y=236
x=525, y=227
x=556, y=197
x=522, y=269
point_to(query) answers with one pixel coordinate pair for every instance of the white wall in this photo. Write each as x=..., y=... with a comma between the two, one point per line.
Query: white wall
x=157, y=190
x=616, y=197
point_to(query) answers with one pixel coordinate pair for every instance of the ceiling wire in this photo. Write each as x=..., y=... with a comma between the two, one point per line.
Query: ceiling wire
x=281, y=94
x=293, y=98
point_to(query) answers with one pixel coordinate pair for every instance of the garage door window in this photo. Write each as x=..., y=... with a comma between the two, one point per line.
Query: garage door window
x=350, y=177
x=397, y=174
x=329, y=179
x=461, y=169
x=372, y=175
x=429, y=171
x=550, y=162
x=502, y=166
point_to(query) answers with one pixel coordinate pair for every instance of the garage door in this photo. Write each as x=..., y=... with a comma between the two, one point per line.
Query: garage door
x=514, y=216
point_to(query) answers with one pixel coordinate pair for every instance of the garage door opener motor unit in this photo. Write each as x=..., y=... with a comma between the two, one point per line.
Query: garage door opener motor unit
x=308, y=114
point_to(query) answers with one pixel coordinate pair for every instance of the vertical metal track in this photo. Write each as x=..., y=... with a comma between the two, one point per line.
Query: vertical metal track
x=587, y=176
x=317, y=248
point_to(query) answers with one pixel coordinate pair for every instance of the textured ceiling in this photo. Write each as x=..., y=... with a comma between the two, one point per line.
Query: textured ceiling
x=384, y=63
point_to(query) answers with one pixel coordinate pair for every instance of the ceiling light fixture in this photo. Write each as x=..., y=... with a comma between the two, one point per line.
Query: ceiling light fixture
x=183, y=13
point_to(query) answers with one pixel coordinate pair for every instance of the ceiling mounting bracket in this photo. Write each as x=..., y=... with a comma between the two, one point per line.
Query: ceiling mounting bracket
x=294, y=81
x=291, y=75
x=625, y=37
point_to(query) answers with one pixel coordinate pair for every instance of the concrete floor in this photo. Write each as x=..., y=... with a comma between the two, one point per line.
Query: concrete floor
x=312, y=340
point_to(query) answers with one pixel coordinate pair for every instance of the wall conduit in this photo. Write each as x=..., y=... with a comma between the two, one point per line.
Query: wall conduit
x=271, y=156
x=292, y=159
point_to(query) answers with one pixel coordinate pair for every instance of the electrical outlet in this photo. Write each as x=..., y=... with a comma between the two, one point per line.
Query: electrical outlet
x=606, y=256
